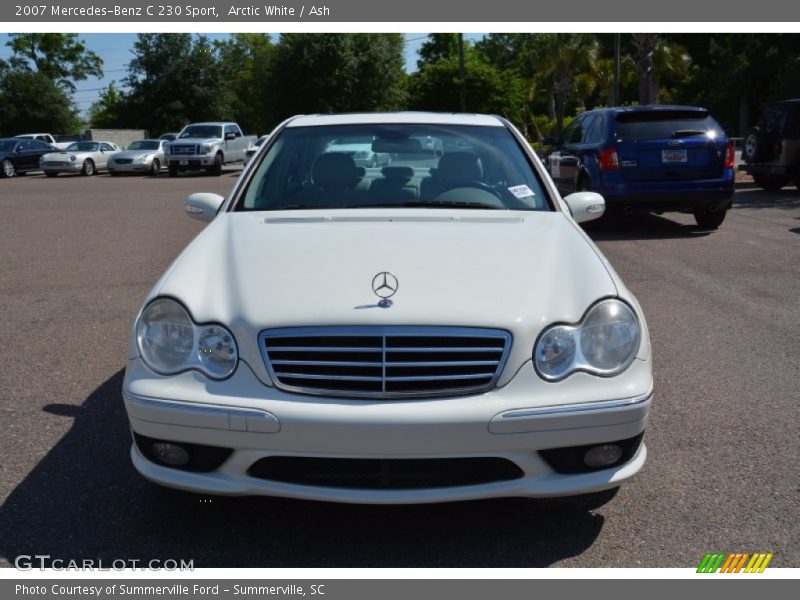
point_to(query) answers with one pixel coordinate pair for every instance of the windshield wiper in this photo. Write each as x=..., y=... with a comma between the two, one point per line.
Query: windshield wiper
x=451, y=204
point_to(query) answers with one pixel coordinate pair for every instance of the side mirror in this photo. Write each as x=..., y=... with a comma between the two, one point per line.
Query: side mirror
x=586, y=206
x=203, y=206
x=230, y=136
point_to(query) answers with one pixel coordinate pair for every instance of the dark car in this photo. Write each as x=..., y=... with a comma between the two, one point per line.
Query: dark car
x=19, y=156
x=772, y=148
x=648, y=158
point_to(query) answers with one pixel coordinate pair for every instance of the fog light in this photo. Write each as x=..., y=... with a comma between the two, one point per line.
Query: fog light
x=170, y=454
x=602, y=456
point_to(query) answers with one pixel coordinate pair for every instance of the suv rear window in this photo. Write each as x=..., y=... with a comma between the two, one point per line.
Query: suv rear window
x=662, y=124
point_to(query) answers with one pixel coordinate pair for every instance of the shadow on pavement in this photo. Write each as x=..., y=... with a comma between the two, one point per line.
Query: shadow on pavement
x=640, y=226
x=785, y=198
x=84, y=500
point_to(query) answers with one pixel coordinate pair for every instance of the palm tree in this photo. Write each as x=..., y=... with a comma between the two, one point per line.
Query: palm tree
x=655, y=58
x=558, y=59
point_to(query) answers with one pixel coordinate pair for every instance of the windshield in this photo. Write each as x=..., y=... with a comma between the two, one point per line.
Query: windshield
x=7, y=145
x=83, y=147
x=397, y=165
x=144, y=145
x=201, y=131
x=664, y=124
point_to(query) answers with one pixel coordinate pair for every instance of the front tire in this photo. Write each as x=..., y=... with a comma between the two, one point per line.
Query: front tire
x=88, y=168
x=216, y=170
x=155, y=167
x=709, y=220
x=7, y=168
x=173, y=171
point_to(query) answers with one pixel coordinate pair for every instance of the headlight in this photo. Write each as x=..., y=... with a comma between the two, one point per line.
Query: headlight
x=170, y=342
x=145, y=157
x=604, y=343
x=208, y=149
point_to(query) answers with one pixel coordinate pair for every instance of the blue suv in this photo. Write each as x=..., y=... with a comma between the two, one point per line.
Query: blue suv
x=647, y=158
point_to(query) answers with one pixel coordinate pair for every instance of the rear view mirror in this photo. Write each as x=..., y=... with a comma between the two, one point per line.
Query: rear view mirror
x=203, y=206
x=586, y=206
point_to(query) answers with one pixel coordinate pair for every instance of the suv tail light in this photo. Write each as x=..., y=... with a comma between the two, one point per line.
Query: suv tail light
x=609, y=161
x=730, y=155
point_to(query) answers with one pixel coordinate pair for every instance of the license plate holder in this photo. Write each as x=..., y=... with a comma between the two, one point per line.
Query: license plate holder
x=674, y=155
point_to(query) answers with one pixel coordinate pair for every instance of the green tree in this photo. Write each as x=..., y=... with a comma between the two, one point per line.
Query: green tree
x=438, y=47
x=247, y=61
x=109, y=109
x=60, y=56
x=657, y=59
x=562, y=66
x=336, y=73
x=174, y=79
x=31, y=101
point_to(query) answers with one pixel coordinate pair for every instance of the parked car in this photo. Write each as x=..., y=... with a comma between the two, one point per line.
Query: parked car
x=43, y=137
x=169, y=137
x=772, y=148
x=20, y=156
x=406, y=334
x=86, y=158
x=648, y=158
x=141, y=156
x=253, y=148
x=207, y=146
x=361, y=150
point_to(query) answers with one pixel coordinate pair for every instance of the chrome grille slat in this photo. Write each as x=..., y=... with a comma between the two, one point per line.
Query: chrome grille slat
x=385, y=361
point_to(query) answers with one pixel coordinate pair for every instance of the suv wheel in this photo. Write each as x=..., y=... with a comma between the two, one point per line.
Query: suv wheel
x=756, y=145
x=770, y=183
x=708, y=219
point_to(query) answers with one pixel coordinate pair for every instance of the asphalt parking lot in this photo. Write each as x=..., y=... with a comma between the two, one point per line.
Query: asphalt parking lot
x=77, y=256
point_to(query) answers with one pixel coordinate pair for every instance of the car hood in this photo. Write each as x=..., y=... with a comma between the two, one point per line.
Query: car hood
x=196, y=141
x=518, y=271
x=134, y=154
x=64, y=155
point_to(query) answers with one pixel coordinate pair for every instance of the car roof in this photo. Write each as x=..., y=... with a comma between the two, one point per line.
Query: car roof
x=652, y=108
x=391, y=118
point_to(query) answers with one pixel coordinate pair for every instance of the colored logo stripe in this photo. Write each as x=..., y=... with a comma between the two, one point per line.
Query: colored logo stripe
x=734, y=562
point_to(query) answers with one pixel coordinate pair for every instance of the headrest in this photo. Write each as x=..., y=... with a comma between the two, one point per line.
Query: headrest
x=404, y=173
x=335, y=170
x=460, y=166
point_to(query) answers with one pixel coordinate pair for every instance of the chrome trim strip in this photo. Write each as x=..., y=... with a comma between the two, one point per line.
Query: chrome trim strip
x=381, y=332
x=577, y=408
x=147, y=402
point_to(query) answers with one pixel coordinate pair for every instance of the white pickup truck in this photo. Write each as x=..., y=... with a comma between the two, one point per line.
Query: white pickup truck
x=43, y=137
x=207, y=146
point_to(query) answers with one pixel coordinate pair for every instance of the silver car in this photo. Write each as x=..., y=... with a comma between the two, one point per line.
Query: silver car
x=142, y=156
x=86, y=158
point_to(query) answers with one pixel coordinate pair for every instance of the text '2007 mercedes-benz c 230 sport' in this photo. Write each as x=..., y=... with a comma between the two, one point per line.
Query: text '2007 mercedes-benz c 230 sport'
x=436, y=327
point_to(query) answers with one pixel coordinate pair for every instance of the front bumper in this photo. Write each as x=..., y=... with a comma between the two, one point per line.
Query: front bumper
x=72, y=167
x=258, y=421
x=133, y=167
x=191, y=162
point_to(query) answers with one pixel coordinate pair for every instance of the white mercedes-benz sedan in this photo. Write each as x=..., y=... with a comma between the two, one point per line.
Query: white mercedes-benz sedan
x=436, y=328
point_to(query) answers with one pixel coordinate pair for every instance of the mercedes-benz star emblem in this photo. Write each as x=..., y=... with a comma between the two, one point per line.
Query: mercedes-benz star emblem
x=385, y=286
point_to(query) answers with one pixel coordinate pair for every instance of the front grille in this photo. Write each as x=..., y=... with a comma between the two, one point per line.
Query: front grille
x=55, y=163
x=123, y=161
x=385, y=474
x=183, y=149
x=385, y=362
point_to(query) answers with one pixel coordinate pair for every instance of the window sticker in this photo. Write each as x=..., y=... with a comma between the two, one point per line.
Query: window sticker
x=521, y=191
